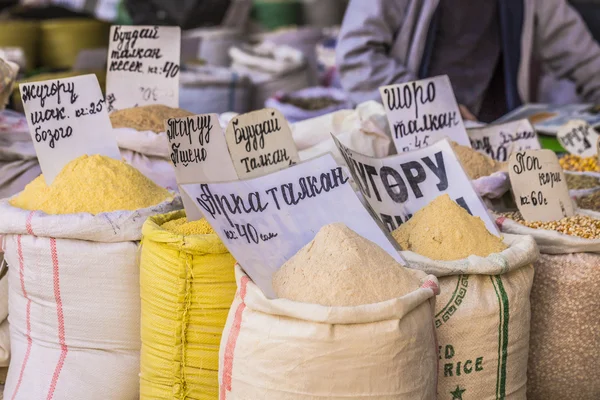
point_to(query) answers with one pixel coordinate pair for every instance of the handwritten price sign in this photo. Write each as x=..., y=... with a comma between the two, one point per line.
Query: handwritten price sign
x=578, y=137
x=539, y=185
x=143, y=66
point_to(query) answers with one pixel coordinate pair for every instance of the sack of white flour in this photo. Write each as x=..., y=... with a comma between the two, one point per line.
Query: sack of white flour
x=482, y=321
x=285, y=350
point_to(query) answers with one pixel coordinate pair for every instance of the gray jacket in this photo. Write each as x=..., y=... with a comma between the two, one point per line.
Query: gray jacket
x=383, y=42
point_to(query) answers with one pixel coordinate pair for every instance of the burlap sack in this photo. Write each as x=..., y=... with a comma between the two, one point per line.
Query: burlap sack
x=482, y=320
x=564, y=356
x=284, y=350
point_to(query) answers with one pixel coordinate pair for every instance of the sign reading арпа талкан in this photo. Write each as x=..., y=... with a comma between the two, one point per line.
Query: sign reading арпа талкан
x=422, y=112
x=398, y=186
x=264, y=221
x=143, y=66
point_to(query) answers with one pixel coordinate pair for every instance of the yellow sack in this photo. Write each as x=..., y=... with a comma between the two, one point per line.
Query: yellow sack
x=187, y=287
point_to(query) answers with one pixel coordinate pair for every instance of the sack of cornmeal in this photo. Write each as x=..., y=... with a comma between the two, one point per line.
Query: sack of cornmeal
x=482, y=321
x=74, y=302
x=564, y=356
x=357, y=348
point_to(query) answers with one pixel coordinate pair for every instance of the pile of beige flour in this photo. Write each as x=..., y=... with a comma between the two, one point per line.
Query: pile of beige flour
x=476, y=164
x=443, y=230
x=146, y=118
x=341, y=268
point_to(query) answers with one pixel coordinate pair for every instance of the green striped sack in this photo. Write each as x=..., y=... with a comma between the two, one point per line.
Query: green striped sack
x=482, y=318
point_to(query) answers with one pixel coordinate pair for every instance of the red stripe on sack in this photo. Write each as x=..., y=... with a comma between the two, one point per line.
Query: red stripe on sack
x=232, y=340
x=500, y=221
x=61, y=320
x=27, y=316
x=28, y=226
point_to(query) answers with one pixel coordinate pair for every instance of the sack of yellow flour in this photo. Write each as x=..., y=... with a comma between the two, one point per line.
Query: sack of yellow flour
x=482, y=321
x=74, y=307
x=187, y=286
x=286, y=350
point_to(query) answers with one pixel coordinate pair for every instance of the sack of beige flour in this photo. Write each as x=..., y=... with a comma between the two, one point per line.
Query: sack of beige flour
x=564, y=356
x=356, y=329
x=143, y=142
x=74, y=297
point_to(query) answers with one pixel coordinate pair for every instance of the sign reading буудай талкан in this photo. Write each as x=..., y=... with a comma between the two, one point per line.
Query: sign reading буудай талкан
x=579, y=138
x=398, y=186
x=539, y=186
x=422, y=112
x=143, y=66
x=67, y=118
x=500, y=141
x=264, y=221
x=199, y=154
x=260, y=142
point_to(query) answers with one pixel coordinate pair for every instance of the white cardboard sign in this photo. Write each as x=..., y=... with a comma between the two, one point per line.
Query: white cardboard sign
x=398, y=186
x=264, y=221
x=500, y=141
x=199, y=154
x=260, y=142
x=143, y=66
x=539, y=186
x=578, y=137
x=422, y=112
x=67, y=118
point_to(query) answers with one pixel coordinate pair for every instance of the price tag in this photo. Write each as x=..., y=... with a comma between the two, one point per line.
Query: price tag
x=143, y=66
x=539, y=185
x=422, y=112
x=578, y=137
x=67, y=118
x=500, y=141
x=264, y=221
x=199, y=154
x=398, y=186
x=260, y=142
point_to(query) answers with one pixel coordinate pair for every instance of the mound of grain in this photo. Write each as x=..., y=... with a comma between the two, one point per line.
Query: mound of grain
x=92, y=184
x=476, y=164
x=443, y=230
x=146, y=118
x=341, y=268
x=181, y=226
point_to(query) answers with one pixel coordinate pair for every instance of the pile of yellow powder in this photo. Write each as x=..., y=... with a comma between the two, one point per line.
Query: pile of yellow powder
x=181, y=226
x=92, y=184
x=443, y=230
x=341, y=268
x=476, y=164
x=146, y=118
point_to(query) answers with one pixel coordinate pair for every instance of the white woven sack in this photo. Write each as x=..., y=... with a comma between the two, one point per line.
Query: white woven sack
x=552, y=242
x=364, y=129
x=482, y=319
x=211, y=89
x=74, y=306
x=18, y=160
x=148, y=152
x=564, y=359
x=284, y=350
x=493, y=186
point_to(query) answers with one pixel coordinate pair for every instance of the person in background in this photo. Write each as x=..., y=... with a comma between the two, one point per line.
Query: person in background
x=484, y=46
